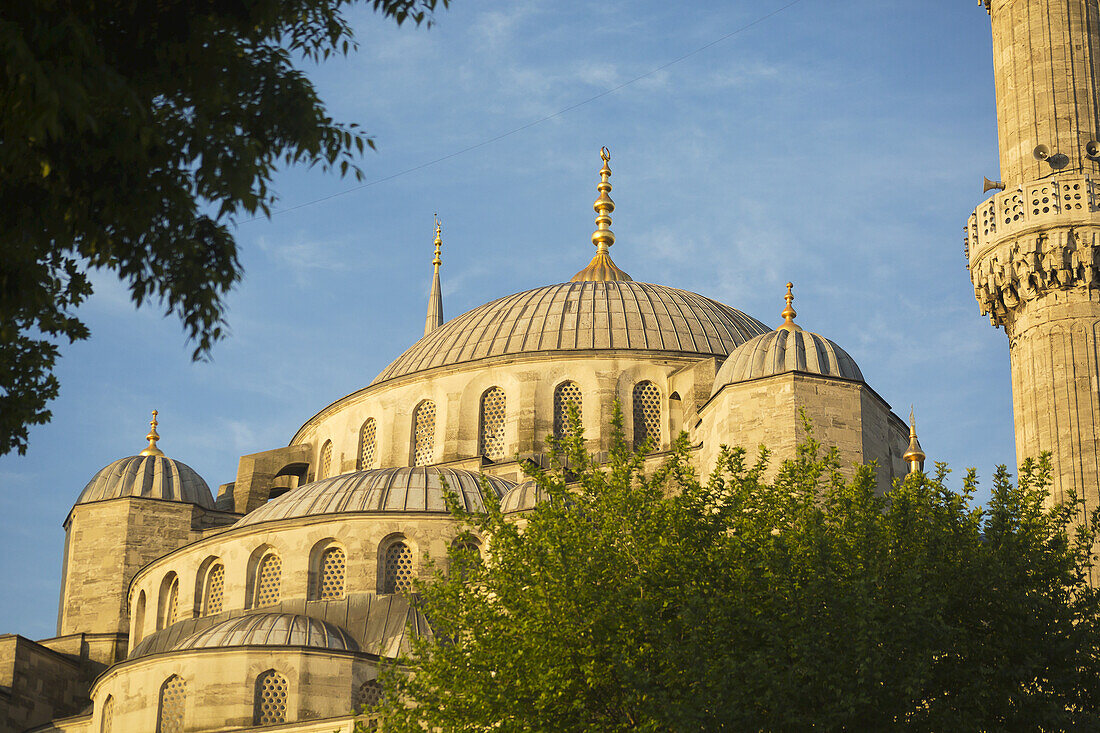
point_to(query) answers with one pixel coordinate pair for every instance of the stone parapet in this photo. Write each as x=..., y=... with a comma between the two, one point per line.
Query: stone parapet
x=1039, y=238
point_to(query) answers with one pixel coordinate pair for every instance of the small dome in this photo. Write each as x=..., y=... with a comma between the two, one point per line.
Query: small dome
x=151, y=477
x=523, y=498
x=581, y=316
x=417, y=489
x=270, y=629
x=786, y=350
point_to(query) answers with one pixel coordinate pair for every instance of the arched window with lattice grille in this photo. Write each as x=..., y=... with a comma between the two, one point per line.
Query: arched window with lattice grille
x=168, y=608
x=269, y=581
x=365, y=459
x=107, y=718
x=492, y=423
x=369, y=695
x=397, y=574
x=271, y=695
x=424, y=433
x=647, y=415
x=324, y=466
x=565, y=394
x=213, y=590
x=172, y=704
x=331, y=573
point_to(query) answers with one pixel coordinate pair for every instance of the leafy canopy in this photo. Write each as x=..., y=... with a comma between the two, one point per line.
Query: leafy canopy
x=652, y=601
x=132, y=132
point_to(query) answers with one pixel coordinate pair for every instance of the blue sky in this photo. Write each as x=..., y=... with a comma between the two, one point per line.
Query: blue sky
x=840, y=145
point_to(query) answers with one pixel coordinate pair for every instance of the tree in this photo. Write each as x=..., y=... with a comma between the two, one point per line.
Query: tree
x=132, y=133
x=654, y=601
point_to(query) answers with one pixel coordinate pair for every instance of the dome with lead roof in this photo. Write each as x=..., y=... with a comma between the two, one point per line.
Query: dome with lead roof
x=418, y=489
x=270, y=629
x=788, y=348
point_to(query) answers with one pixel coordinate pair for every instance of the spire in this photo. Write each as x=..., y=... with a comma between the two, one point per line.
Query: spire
x=435, y=297
x=152, y=437
x=914, y=456
x=789, y=312
x=601, y=268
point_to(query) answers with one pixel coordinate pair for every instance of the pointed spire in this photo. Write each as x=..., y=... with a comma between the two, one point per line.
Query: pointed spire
x=914, y=456
x=152, y=437
x=435, y=298
x=789, y=312
x=601, y=268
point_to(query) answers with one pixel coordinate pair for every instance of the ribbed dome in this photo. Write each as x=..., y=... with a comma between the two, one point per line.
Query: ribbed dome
x=152, y=477
x=786, y=350
x=381, y=490
x=270, y=629
x=523, y=498
x=577, y=316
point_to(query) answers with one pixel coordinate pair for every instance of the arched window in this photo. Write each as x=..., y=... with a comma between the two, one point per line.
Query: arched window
x=366, y=445
x=492, y=423
x=168, y=609
x=139, y=617
x=369, y=695
x=107, y=719
x=398, y=571
x=647, y=414
x=467, y=555
x=213, y=590
x=424, y=433
x=269, y=580
x=330, y=574
x=271, y=693
x=173, y=697
x=324, y=469
x=566, y=393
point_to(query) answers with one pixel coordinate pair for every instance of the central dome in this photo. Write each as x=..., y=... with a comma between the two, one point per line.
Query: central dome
x=583, y=316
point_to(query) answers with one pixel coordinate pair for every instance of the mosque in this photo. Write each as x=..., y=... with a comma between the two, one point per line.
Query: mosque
x=270, y=604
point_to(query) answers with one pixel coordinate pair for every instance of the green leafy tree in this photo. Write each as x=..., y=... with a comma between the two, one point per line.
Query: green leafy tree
x=655, y=601
x=132, y=133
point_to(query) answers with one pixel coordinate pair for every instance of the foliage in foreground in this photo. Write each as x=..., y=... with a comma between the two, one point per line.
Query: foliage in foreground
x=132, y=132
x=659, y=602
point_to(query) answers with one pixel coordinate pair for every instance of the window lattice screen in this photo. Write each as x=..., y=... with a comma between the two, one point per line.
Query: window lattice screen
x=369, y=694
x=366, y=445
x=492, y=423
x=215, y=590
x=565, y=393
x=108, y=715
x=399, y=569
x=271, y=693
x=269, y=578
x=325, y=469
x=171, y=603
x=331, y=575
x=173, y=697
x=424, y=433
x=647, y=414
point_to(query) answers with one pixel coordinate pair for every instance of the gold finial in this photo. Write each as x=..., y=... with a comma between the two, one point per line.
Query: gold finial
x=436, y=261
x=152, y=437
x=789, y=312
x=601, y=268
x=914, y=456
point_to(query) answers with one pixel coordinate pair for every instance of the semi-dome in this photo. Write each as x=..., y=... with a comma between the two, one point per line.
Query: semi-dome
x=151, y=477
x=270, y=629
x=788, y=348
x=580, y=316
x=523, y=498
x=417, y=489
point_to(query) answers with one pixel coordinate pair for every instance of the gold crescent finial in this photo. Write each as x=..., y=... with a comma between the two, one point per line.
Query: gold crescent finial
x=789, y=312
x=601, y=268
x=152, y=437
x=914, y=454
x=437, y=261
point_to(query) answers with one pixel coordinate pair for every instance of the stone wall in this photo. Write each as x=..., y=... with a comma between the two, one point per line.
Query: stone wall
x=37, y=684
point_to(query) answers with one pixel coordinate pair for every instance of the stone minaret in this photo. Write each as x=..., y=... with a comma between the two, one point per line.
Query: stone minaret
x=1032, y=248
x=434, y=318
